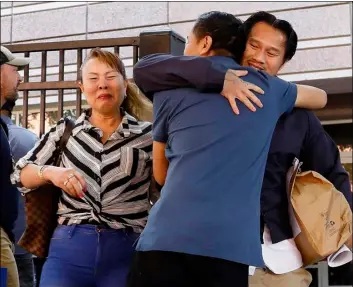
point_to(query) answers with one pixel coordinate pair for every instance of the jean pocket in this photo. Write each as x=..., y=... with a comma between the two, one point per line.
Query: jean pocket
x=62, y=232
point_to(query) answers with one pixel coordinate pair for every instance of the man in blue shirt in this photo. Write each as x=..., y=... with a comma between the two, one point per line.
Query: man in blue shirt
x=21, y=141
x=204, y=230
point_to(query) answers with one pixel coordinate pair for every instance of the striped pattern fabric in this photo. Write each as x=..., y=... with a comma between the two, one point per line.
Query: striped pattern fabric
x=117, y=172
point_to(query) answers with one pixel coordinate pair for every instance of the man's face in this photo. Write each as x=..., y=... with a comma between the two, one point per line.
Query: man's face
x=10, y=80
x=265, y=48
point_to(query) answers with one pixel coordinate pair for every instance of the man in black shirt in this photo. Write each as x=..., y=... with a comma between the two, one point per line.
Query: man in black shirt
x=267, y=43
x=21, y=141
x=10, y=80
x=8, y=210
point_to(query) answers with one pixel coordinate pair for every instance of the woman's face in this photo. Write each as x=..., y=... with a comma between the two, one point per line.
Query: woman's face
x=103, y=86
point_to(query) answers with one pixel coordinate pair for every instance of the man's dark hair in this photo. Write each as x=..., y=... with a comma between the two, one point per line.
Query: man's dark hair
x=282, y=25
x=221, y=27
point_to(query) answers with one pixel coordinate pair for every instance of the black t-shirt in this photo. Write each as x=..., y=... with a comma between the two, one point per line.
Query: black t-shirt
x=8, y=192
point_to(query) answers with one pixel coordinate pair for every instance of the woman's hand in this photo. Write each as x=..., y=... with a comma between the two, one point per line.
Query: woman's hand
x=236, y=88
x=67, y=179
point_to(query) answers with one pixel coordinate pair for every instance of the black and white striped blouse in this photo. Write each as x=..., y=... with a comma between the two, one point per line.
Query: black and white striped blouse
x=117, y=172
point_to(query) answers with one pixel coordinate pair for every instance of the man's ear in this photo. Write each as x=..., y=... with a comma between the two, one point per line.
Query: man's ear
x=206, y=46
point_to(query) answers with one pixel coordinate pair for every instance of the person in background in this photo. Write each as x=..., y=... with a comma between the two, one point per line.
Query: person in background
x=104, y=176
x=10, y=80
x=21, y=141
x=204, y=230
x=8, y=212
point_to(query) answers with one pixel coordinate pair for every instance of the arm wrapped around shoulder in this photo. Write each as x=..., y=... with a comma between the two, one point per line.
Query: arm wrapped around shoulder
x=310, y=97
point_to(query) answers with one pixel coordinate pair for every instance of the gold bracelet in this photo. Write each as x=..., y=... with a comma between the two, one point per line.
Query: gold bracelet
x=40, y=173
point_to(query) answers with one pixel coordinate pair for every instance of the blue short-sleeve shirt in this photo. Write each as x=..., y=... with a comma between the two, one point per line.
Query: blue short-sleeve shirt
x=210, y=203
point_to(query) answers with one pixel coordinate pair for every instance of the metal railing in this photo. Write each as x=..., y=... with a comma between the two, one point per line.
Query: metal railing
x=163, y=41
x=323, y=275
x=43, y=86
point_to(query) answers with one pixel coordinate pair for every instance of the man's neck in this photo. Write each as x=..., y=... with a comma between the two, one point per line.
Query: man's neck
x=220, y=52
x=5, y=113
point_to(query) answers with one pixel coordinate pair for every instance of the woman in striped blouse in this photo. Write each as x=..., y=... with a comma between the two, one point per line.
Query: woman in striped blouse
x=104, y=175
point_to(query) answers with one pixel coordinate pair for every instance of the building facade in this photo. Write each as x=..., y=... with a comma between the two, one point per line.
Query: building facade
x=323, y=58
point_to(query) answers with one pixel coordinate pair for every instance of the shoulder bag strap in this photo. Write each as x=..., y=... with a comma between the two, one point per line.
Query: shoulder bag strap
x=291, y=175
x=70, y=124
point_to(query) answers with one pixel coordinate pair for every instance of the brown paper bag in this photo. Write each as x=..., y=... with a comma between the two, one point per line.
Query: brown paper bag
x=322, y=213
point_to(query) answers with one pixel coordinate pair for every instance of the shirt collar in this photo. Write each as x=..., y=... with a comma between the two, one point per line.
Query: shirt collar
x=129, y=125
x=7, y=120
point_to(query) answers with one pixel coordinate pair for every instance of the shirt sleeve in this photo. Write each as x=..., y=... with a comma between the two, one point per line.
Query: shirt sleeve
x=41, y=154
x=21, y=141
x=160, y=118
x=160, y=72
x=287, y=93
x=320, y=153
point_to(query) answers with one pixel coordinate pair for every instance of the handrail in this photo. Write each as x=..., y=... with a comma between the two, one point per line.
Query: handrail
x=73, y=45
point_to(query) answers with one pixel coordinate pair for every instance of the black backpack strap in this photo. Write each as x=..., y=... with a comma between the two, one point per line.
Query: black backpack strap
x=69, y=126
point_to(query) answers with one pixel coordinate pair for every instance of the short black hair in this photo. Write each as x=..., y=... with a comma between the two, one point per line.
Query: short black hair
x=282, y=25
x=222, y=27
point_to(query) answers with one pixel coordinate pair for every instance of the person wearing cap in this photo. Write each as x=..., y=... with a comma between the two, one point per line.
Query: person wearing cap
x=21, y=141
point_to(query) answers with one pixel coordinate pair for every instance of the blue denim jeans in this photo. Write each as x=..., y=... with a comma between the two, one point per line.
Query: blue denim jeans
x=88, y=256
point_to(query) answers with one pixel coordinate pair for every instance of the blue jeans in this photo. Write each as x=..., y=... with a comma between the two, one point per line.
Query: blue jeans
x=3, y=277
x=88, y=256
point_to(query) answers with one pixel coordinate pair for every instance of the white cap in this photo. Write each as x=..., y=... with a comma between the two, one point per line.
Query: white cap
x=6, y=57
